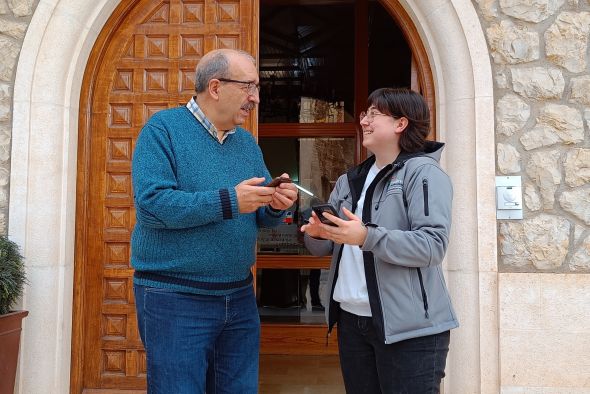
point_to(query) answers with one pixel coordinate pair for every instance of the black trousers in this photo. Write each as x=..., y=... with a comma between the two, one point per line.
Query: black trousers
x=369, y=366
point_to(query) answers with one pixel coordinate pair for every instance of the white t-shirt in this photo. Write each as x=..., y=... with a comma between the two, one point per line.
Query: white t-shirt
x=351, y=286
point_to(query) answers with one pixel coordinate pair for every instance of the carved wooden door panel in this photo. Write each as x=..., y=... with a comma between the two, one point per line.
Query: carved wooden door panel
x=143, y=61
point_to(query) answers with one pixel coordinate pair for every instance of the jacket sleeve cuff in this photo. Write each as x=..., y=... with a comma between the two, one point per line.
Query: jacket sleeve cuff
x=314, y=240
x=370, y=240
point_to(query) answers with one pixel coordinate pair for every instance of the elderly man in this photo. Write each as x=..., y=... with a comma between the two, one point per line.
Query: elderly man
x=199, y=197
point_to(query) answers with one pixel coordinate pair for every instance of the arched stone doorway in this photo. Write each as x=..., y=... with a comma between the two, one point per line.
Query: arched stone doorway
x=47, y=91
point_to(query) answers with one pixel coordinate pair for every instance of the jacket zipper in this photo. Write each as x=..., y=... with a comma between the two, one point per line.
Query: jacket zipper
x=424, y=298
x=369, y=259
x=425, y=192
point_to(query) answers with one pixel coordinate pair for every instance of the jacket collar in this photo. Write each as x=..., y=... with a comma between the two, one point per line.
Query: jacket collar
x=357, y=175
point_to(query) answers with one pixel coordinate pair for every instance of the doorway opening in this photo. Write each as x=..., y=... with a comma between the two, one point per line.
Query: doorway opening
x=143, y=61
x=318, y=62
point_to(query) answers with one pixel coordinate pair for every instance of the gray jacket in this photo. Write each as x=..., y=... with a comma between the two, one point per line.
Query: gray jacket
x=407, y=212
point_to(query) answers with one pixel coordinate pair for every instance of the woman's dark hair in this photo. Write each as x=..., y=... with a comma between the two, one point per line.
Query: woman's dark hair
x=410, y=105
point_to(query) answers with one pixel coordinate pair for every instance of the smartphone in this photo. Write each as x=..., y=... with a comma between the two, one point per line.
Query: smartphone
x=321, y=208
x=277, y=181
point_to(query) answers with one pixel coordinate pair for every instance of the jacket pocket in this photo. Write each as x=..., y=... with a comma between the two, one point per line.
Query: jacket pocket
x=425, y=194
x=423, y=293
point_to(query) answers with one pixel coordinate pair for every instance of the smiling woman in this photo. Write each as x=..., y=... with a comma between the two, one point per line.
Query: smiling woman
x=384, y=246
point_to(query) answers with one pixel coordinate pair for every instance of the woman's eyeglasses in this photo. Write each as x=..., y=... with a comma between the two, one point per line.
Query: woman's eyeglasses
x=251, y=88
x=370, y=116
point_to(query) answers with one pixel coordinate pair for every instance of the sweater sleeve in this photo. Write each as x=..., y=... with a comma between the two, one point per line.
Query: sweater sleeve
x=158, y=201
x=268, y=217
x=429, y=215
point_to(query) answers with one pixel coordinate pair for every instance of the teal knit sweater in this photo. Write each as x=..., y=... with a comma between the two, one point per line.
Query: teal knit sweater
x=188, y=224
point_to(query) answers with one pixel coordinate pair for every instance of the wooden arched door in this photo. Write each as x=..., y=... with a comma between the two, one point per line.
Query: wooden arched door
x=143, y=61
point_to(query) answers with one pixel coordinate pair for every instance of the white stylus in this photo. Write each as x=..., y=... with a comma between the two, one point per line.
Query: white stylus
x=303, y=189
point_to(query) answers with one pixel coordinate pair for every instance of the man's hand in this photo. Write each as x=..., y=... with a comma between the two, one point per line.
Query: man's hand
x=350, y=232
x=251, y=196
x=284, y=196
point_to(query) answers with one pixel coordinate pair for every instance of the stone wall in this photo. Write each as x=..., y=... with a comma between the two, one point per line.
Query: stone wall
x=15, y=16
x=540, y=59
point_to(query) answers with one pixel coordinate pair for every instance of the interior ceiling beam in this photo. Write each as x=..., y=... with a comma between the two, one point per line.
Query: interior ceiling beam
x=275, y=35
x=296, y=81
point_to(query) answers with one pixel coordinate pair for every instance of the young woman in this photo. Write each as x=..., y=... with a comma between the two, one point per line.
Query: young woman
x=386, y=287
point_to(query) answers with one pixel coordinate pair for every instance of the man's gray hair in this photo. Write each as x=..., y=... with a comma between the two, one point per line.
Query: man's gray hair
x=215, y=65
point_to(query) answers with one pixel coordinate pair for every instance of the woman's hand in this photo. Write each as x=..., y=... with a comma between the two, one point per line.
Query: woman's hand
x=313, y=228
x=351, y=232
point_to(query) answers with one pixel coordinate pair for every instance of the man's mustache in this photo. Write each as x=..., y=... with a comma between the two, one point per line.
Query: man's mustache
x=248, y=107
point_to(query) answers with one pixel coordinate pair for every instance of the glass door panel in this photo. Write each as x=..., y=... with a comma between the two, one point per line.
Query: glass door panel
x=306, y=63
x=290, y=295
x=313, y=163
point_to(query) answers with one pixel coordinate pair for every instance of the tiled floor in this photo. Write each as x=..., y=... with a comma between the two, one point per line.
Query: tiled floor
x=300, y=375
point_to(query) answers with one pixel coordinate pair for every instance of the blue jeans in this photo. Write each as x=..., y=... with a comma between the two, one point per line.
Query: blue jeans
x=369, y=366
x=199, y=343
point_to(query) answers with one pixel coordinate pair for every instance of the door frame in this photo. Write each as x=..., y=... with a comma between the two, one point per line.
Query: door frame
x=83, y=179
x=43, y=176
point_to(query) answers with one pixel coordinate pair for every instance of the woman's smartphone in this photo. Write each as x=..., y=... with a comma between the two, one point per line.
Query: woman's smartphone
x=277, y=181
x=321, y=208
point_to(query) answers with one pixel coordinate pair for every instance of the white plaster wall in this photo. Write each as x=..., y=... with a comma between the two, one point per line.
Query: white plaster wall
x=42, y=210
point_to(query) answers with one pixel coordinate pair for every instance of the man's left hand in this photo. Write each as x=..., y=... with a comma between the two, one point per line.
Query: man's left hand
x=284, y=196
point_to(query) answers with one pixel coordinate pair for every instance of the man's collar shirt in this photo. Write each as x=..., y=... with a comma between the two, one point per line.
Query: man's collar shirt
x=200, y=116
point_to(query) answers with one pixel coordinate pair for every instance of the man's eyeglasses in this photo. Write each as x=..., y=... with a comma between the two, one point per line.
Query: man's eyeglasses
x=251, y=88
x=370, y=116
